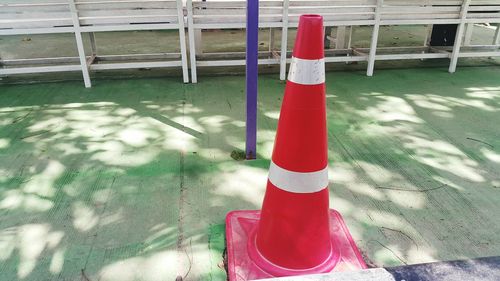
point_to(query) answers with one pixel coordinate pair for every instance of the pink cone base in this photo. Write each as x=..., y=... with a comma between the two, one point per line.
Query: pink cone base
x=240, y=228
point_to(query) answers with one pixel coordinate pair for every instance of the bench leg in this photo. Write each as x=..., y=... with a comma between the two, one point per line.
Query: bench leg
x=198, y=40
x=328, y=40
x=79, y=44
x=182, y=40
x=271, y=39
x=192, y=54
x=83, y=59
x=456, y=48
x=192, y=45
x=185, y=73
x=468, y=34
x=373, y=50
x=284, y=41
x=459, y=37
x=340, y=40
x=496, y=39
x=93, y=45
x=349, y=41
x=428, y=35
x=374, y=41
x=283, y=54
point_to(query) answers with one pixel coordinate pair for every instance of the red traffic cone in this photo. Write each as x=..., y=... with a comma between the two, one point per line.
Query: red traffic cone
x=295, y=233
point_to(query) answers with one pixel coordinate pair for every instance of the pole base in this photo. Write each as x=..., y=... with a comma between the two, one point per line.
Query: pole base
x=243, y=264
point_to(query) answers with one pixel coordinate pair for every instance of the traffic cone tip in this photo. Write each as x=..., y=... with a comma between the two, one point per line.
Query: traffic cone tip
x=309, y=41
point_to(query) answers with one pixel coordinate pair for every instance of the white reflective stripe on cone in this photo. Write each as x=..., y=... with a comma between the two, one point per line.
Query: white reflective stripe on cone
x=298, y=182
x=307, y=72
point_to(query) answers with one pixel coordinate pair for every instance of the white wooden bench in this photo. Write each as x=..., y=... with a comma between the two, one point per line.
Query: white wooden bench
x=89, y=16
x=408, y=12
x=220, y=14
x=23, y=17
x=129, y=15
x=338, y=13
x=342, y=13
x=34, y=17
x=431, y=12
x=477, y=11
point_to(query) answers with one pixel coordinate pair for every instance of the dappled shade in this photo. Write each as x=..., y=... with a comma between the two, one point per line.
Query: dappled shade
x=132, y=179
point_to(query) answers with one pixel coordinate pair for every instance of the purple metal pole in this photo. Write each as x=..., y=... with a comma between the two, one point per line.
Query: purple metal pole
x=252, y=76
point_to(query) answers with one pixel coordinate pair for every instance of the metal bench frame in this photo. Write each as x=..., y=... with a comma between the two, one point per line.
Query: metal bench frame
x=82, y=17
x=85, y=18
x=227, y=15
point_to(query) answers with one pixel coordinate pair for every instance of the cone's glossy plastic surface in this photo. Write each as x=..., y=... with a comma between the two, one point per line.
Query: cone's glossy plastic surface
x=295, y=233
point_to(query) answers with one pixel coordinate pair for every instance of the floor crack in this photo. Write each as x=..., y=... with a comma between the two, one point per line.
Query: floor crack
x=182, y=203
x=412, y=190
x=402, y=233
x=390, y=250
x=480, y=141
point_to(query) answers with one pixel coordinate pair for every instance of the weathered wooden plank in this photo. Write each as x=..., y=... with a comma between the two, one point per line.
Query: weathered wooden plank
x=39, y=69
x=35, y=23
x=126, y=12
x=128, y=20
x=126, y=5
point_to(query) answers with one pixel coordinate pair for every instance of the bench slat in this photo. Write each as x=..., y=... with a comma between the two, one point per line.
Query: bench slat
x=35, y=23
x=126, y=12
x=482, y=15
x=34, y=15
x=127, y=20
x=126, y=5
x=423, y=3
x=419, y=16
x=233, y=19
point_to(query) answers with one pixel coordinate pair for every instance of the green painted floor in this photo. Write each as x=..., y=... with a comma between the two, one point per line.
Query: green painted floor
x=131, y=180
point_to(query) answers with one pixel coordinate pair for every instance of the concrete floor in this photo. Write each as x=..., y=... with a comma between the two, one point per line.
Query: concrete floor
x=131, y=180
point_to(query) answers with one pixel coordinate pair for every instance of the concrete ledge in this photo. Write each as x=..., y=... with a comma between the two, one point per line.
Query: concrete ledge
x=482, y=269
